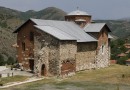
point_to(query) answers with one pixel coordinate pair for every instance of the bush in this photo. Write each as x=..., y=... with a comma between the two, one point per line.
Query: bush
x=2, y=62
x=10, y=61
x=122, y=60
x=1, y=83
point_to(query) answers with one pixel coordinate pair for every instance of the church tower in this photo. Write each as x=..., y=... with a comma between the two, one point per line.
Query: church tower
x=79, y=17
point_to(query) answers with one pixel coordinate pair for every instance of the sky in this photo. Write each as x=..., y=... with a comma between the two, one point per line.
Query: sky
x=99, y=9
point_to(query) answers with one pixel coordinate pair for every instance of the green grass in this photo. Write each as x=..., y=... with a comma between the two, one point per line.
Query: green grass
x=109, y=78
x=13, y=79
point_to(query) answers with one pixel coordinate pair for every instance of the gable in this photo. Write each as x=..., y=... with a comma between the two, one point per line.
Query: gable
x=19, y=28
x=95, y=27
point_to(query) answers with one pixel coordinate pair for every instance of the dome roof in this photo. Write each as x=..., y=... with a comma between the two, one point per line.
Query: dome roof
x=78, y=12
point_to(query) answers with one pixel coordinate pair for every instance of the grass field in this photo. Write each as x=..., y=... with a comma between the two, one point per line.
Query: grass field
x=115, y=77
x=12, y=79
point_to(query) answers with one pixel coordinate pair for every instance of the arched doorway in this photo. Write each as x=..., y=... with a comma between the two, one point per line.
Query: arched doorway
x=43, y=70
x=31, y=64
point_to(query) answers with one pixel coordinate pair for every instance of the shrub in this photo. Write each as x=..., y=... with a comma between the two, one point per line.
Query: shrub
x=122, y=60
x=2, y=62
x=10, y=61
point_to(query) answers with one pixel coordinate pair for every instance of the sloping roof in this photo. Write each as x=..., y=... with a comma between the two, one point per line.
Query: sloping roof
x=121, y=55
x=128, y=60
x=57, y=33
x=78, y=12
x=127, y=52
x=94, y=27
x=70, y=30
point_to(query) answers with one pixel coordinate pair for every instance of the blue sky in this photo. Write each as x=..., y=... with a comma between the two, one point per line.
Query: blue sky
x=99, y=9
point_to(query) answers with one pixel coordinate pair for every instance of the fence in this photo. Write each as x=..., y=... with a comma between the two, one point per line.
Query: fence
x=6, y=75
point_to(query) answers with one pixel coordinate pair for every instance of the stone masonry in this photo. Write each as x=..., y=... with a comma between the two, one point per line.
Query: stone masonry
x=86, y=56
x=53, y=53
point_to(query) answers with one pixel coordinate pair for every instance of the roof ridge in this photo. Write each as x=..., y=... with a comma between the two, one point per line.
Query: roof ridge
x=59, y=29
x=42, y=27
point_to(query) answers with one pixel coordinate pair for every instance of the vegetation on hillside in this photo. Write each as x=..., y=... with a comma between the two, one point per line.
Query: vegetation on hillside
x=117, y=47
x=119, y=28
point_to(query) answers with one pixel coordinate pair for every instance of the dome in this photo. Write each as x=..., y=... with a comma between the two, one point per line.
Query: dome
x=78, y=12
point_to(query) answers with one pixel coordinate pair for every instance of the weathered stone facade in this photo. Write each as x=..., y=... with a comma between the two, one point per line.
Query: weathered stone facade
x=54, y=54
x=46, y=50
x=68, y=50
x=86, y=56
x=25, y=45
x=102, y=57
x=103, y=48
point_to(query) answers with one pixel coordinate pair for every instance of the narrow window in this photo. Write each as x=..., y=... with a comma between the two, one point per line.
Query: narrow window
x=23, y=46
x=102, y=49
x=31, y=36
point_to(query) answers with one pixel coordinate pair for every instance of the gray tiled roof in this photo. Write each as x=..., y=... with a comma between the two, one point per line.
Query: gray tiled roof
x=57, y=33
x=94, y=27
x=70, y=30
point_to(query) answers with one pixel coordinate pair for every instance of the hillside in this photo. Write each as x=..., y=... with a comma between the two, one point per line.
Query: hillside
x=119, y=28
x=11, y=19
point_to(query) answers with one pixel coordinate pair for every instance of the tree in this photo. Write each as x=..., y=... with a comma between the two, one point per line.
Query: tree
x=122, y=60
x=128, y=55
x=117, y=47
x=2, y=62
x=10, y=61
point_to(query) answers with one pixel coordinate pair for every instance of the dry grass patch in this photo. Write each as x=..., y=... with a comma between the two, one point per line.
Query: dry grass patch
x=114, y=74
x=13, y=79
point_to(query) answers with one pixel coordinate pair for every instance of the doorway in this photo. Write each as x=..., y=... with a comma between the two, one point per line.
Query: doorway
x=43, y=70
x=31, y=64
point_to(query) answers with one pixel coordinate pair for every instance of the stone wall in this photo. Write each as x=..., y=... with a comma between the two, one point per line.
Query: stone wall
x=103, y=53
x=86, y=56
x=103, y=48
x=47, y=53
x=23, y=36
x=68, y=50
x=103, y=57
x=57, y=56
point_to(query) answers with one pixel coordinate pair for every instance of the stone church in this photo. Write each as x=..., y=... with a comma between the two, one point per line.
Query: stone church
x=60, y=48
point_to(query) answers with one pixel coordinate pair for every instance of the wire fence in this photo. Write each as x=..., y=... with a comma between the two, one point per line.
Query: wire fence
x=6, y=75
